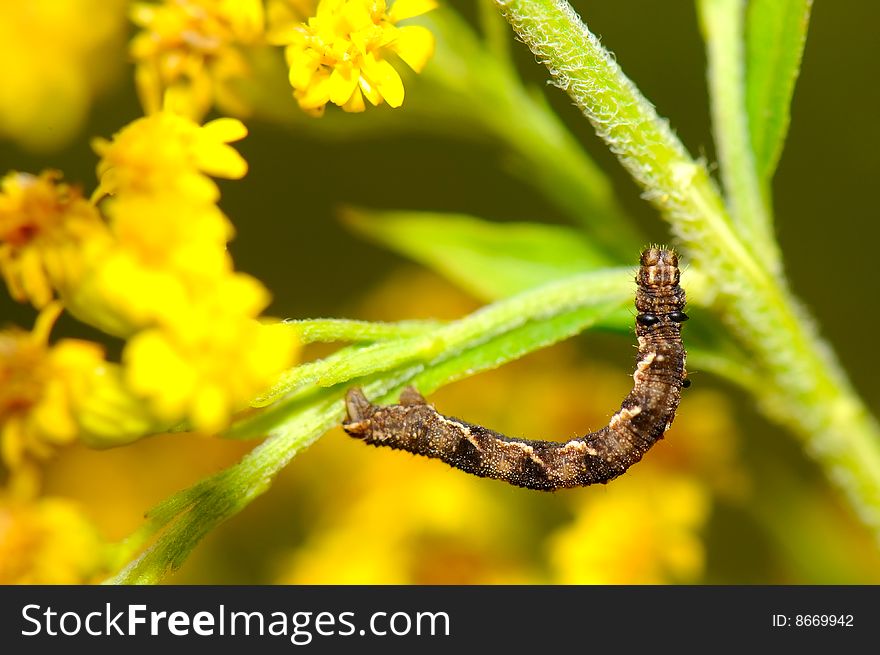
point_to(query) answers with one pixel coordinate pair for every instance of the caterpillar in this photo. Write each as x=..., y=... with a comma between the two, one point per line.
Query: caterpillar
x=644, y=415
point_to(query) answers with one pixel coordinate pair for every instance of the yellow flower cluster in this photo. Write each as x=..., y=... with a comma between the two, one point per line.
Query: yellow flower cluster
x=341, y=54
x=191, y=53
x=170, y=279
x=40, y=388
x=283, y=12
x=442, y=529
x=640, y=531
x=57, y=56
x=149, y=264
x=47, y=233
x=49, y=541
x=170, y=237
x=190, y=50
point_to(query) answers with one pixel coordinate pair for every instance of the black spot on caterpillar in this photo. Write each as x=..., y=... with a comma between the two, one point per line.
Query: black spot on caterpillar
x=645, y=414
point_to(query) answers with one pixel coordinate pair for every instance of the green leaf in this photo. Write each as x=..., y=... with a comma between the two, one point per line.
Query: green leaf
x=339, y=329
x=509, y=346
x=722, y=22
x=776, y=31
x=490, y=260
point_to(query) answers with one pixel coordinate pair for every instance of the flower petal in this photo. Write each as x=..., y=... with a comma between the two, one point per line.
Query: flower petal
x=403, y=9
x=415, y=45
x=343, y=82
x=385, y=79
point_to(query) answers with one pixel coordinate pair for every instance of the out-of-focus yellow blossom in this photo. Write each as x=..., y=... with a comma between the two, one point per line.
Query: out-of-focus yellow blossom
x=162, y=279
x=280, y=13
x=406, y=520
x=169, y=154
x=340, y=54
x=169, y=235
x=49, y=541
x=644, y=529
x=190, y=50
x=154, y=233
x=167, y=255
x=111, y=414
x=48, y=235
x=40, y=388
x=170, y=275
x=58, y=55
x=206, y=371
x=705, y=445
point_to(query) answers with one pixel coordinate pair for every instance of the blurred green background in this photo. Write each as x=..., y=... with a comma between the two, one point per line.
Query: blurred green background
x=290, y=237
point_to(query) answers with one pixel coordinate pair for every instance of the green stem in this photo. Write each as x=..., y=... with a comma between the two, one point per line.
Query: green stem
x=805, y=388
x=588, y=289
x=722, y=22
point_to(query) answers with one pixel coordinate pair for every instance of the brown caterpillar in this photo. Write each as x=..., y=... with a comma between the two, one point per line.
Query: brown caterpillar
x=645, y=414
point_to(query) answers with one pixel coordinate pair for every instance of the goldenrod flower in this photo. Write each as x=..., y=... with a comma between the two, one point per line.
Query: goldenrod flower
x=169, y=235
x=341, y=54
x=188, y=52
x=168, y=283
x=49, y=541
x=169, y=154
x=203, y=371
x=645, y=530
x=165, y=256
x=283, y=12
x=413, y=523
x=57, y=56
x=40, y=387
x=48, y=234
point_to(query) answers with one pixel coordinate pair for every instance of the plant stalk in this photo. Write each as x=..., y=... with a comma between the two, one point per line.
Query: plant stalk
x=806, y=389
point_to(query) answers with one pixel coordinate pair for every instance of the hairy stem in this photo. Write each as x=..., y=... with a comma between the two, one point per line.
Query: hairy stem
x=805, y=388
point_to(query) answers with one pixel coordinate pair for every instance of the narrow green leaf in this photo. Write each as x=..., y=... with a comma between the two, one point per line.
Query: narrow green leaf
x=584, y=290
x=512, y=345
x=345, y=364
x=326, y=330
x=199, y=509
x=776, y=31
x=490, y=260
x=723, y=24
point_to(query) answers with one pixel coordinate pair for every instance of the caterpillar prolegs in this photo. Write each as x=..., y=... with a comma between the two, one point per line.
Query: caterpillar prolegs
x=645, y=414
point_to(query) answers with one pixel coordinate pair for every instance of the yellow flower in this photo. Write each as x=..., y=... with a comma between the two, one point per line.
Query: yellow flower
x=165, y=153
x=283, y=12
x=166, y=232
x=188, y=52
x=48, y=234
x=210, y=363
x=40, y=387
x=413, y=522
x=341, y=54
x=166, y=254
x=641, y=530
x=49, y=541
x=57, y=56
x=170, y=237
